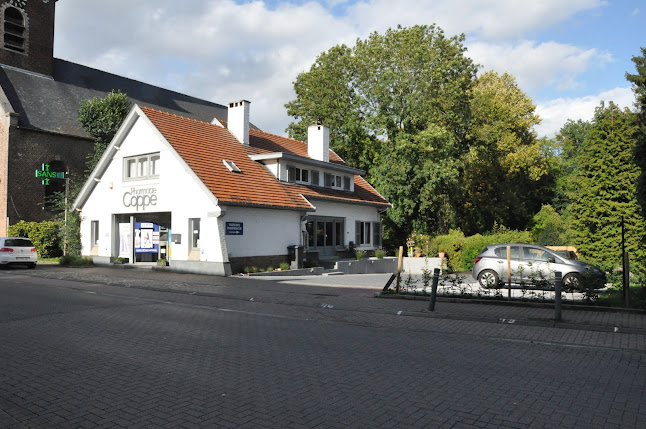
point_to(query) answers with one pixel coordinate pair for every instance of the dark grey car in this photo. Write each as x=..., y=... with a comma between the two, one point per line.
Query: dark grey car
x=533, y=264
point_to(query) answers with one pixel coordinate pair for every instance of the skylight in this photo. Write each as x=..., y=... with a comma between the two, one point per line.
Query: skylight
x=231, y=166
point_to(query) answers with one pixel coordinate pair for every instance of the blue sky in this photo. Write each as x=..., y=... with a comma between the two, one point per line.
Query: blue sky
x=567, y=55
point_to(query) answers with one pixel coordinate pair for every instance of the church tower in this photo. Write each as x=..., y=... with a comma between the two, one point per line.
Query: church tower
x=27, y=34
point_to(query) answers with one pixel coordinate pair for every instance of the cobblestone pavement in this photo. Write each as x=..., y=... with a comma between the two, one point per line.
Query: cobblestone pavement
x=111, y=348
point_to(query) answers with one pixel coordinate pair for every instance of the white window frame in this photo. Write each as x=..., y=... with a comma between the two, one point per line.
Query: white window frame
x=143, y=167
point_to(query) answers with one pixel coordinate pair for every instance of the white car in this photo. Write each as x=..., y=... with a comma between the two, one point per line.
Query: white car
x=18, y=251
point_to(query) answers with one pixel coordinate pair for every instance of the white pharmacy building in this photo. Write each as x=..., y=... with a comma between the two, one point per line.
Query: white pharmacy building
x=217, y=197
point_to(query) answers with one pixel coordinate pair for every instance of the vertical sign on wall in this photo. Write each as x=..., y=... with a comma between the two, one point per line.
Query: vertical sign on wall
x=146, y=237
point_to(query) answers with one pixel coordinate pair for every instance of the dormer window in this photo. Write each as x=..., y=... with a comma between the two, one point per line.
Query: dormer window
x=298, y=175
x=14, y=30
x=231, y=166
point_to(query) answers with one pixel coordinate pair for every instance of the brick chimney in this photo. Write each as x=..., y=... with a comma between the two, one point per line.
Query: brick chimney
x=318, y=142
x=238, y=120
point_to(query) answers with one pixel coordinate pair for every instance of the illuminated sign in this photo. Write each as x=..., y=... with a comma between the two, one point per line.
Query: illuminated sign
x=47, y=175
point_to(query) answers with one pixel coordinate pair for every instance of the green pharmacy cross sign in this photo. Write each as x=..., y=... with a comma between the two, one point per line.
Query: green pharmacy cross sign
x=46, y=174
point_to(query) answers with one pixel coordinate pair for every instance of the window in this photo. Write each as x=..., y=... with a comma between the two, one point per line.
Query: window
x=295, y=174
x=194, y=233
x=346, y=183
x=14, y=30
x=336, y=181
x=324, y=232
x=315, y=177
x=141, y=167
x=231, y=166
x=94, y=233
x=368, y=233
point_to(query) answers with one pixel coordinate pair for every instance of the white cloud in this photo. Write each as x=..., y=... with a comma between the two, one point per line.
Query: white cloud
x=489, y=19
x=538, y=65
x=228, y=50
x=554, y=113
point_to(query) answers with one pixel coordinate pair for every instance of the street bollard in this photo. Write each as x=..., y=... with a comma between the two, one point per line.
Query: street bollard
x=436, y=278
x=558, y=287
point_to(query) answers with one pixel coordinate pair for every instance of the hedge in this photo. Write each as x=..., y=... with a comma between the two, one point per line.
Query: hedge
x=461, y=250
x=44, y=235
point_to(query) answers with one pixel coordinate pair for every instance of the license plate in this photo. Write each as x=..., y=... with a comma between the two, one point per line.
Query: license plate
x=19, y=258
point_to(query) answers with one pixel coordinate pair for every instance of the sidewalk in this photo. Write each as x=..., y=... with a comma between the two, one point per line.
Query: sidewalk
x=351, y=292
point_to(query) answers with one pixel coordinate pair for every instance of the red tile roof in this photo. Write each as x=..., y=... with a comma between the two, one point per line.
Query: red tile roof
x=203, y=146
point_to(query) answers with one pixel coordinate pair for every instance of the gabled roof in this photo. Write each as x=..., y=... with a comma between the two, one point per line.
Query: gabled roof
x=204, y=145
x=50, y=103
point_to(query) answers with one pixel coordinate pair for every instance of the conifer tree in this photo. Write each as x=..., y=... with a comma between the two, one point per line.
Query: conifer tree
x=603, y=191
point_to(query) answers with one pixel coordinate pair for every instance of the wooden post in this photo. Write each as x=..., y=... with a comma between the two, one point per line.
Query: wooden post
x=399, y=265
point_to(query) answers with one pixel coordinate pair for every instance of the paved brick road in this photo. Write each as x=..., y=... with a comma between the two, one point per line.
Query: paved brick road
x=234, y=353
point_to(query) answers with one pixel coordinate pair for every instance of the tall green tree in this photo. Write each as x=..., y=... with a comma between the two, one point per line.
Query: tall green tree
x=506, y=167
x=101, y=118
x=638, y=81
x=419, y=175
x=603, y=190
x=399, y=82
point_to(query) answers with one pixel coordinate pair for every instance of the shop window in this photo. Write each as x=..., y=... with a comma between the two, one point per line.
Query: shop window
x=194, y=233
x=14, y=30
x=94, y=233
x=141, y=167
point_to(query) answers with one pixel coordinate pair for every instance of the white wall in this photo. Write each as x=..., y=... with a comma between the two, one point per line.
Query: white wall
x=265, y=231
x=176, y=190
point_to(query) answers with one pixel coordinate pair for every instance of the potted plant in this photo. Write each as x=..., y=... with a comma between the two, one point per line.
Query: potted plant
x=119, y=260
x=162, y=262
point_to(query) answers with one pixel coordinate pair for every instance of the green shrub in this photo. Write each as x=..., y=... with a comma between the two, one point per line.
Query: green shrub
x=44, y=235
x=75, y=261
x=380, y=254
x=359, y=254
x=284, y=266
x=462, y=250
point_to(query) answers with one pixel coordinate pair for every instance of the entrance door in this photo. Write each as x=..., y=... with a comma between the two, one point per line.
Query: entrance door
x=325, y=235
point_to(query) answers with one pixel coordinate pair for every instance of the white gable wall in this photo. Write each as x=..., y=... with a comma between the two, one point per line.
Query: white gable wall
x=176, y=191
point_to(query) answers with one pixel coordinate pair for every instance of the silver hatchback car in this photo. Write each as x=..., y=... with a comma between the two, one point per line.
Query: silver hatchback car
x=17, y=251
x=533, y=264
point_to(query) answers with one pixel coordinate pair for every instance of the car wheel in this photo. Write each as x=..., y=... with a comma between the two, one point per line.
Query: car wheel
x=488, y=279
x=572, y=281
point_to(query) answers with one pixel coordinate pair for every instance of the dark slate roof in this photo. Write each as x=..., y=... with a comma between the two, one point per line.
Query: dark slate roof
x=51, y=103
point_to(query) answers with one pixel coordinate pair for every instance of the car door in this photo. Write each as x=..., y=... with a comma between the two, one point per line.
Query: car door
x=502, y=265
x=537, y=265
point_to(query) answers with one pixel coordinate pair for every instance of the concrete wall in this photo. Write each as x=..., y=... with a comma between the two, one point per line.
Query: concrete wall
x=388, y=265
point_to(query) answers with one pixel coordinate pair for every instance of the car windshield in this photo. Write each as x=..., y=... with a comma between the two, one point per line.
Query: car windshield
x=18, y=242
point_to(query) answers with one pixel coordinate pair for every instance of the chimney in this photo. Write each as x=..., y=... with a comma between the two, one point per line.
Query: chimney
x=238, y=120
x=318, y=142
